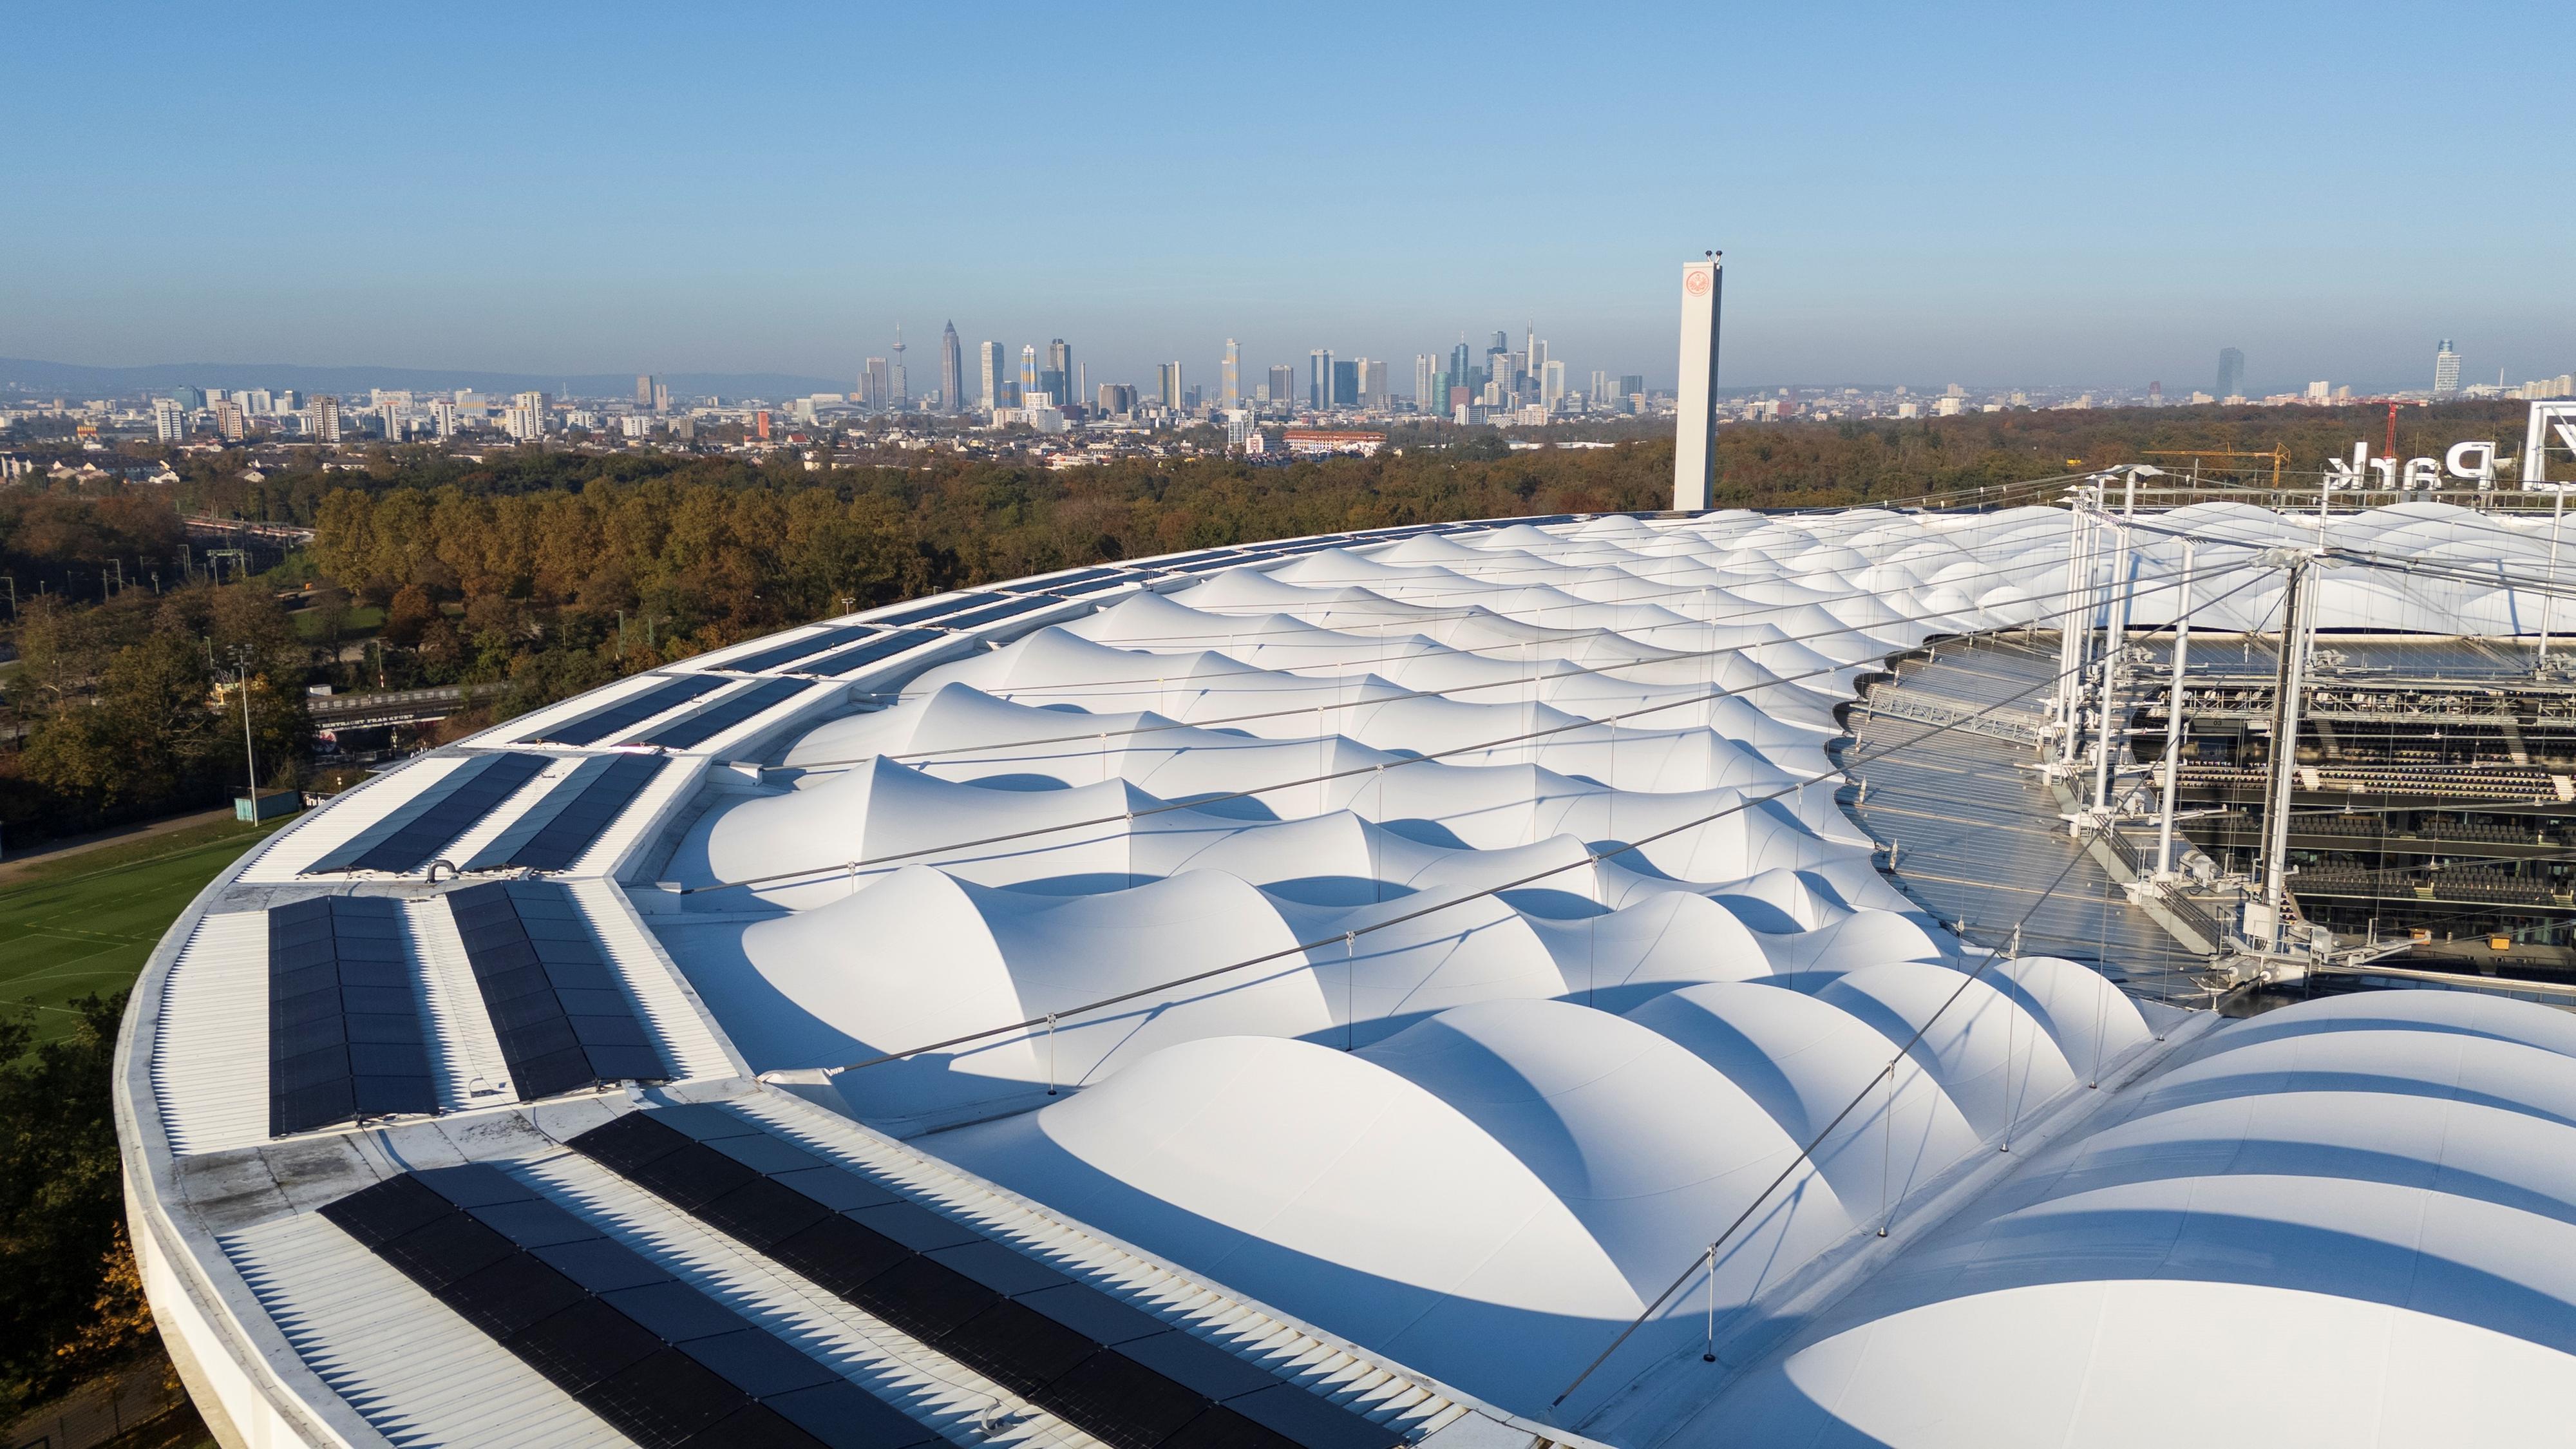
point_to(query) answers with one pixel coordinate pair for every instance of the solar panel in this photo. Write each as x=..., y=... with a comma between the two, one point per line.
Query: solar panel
x=627, y=713
x=1080, y=581
x=797, y=648
x=563, y=1019
x=732, y=710
x=558, y=829
x=935, y=608
x=344, y=1031
x=884, y=646
x=407, y=839
x=662, y=1362
x=990, y=613
x=1118, y=1374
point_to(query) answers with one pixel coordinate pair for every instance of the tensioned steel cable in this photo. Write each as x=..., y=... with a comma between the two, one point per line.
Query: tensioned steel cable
x=1200, y=802
x=1590, y=858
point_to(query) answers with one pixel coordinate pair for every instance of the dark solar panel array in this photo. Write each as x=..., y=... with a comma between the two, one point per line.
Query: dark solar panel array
x=1065, y=586
x=563, y=1019
x=938, y=608
x=1110, y=1370
x=667, y=1365
x=407, y=839
x=797, y=648
x=344, y=1031
x=993, y=613
x=568, y=821
x=627, y=713
x=723, y=715
x=858, y=656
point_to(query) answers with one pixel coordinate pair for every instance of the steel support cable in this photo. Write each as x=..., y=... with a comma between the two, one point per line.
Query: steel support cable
x=1197, y=802
x=1708, y=1255
x=1590, y=858
x=1567, y=671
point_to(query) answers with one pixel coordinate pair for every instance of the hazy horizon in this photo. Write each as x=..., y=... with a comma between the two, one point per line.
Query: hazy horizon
x=2000, y=197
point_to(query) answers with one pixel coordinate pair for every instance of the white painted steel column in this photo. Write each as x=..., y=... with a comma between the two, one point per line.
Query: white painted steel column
x=2174, y=720
x=2549, y=590
x=2296, y=610
x=2115, y=638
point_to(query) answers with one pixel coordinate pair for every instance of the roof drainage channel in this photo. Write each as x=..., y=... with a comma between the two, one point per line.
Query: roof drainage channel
x=1113, y=1371
x=667, y=1365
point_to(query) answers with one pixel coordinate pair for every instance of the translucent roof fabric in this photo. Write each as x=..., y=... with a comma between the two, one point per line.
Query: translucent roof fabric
x=2386, y=1179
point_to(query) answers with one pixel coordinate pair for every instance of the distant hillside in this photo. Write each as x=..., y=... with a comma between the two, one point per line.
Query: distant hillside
x=68, y=379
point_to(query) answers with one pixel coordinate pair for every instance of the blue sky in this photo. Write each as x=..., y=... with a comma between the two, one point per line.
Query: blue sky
x=1988, y=194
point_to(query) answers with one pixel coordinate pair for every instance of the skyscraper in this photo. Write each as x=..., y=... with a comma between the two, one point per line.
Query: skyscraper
x=1425, y=378
x=2231, y=373
x=1319, y=378
x=169, y=420
x=952, y=371
x=1283, y=385
x=1551, y=384
x=1459, y=362
x=1167, y=385
x=1346, y=384
x=1538, y=363
x=643, y=390
x=1229, y=376
x=1028, y=371
x=1060, y=362
x=2446, y=371
x=876, y=385
x=989, y=355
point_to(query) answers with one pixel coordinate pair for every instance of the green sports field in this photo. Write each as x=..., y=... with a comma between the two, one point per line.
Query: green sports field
x=87, y=922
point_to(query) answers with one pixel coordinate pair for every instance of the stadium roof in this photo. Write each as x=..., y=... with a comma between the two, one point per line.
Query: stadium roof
x=1318, y=993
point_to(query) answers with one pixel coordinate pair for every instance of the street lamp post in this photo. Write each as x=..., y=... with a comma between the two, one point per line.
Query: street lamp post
x=250, y=755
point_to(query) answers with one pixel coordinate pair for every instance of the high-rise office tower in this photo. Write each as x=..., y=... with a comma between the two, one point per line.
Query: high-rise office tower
x=1551, y=384
x=1116, y=398
x=1346, y=384
x=1373, y=388
x=1167, y=385
x=1600, y=393
x=1082, y=379
x=1459, y=362
x=2446, y=370
x=989, y=357
x=643, y=390
x=1028, y=370
x=1538, y=361
x=661, y=396
x=899, y=395
x=1229, y=376
x=876, y=385
x=1059, y=360
x=1502, y=342
x=952, y=371
x=2231, y=372
x=1319, y=378
x=1631, y=384
x=1425, y=378
x=1283, y=385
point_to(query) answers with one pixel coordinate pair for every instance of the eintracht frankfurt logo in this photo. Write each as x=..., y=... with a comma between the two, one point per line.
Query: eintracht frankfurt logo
x=1695, y=282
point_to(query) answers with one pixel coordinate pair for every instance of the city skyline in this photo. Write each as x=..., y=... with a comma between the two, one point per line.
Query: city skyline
x=1900, y=195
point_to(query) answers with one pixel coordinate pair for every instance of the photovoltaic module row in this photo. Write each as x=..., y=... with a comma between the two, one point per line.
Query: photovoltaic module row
x=558, y=829
x=798, y=648
x=412, y=835
x=667, y=1365
x=629, y=712
x=878, y=649
x=564, y=1020
x=723, y=715
x=344, y=1030
x=1113, y=1371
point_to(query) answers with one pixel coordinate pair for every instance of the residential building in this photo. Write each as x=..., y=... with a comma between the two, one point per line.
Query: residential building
x=169, y=420
x=1315, y=442
x=2319, y=392
x=2446, y=370
x=322, y=420
x=661, y=396
x=643, y=390
x=230, y=422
